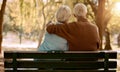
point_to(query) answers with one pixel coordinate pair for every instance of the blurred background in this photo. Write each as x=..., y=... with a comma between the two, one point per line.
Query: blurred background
x=24, y=20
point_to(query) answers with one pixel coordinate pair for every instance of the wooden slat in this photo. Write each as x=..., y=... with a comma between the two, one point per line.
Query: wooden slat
x=51, y=55
x=58, y=64
x=62, y=71
x=86, y=65
x=59, y=55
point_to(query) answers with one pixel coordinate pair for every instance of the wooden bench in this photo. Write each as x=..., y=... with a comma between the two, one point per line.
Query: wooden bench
x=59, y=61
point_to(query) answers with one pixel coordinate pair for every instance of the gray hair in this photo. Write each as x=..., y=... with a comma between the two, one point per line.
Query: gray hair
x=80, y=10
x=63, y=13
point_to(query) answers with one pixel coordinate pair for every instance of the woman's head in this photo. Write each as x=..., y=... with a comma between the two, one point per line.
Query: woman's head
x=63, y=13
x=80, y=10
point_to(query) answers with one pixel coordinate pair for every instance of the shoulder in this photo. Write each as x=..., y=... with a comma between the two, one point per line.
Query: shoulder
x=95, y=26
x=92, y=25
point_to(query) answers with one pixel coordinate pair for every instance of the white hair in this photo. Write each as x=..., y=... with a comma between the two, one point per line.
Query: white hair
x=80, y=10
x=63, y=13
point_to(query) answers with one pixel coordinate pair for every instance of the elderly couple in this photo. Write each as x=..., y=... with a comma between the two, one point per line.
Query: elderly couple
x=80, y=35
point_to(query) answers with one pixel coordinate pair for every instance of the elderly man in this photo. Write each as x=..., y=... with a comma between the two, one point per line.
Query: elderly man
x=52, y=41
x=80, y=35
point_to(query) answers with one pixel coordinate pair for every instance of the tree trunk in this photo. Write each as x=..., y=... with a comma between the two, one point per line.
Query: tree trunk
x=99, y=19
x=118, y=40
x=1, y=21
x=107, y=38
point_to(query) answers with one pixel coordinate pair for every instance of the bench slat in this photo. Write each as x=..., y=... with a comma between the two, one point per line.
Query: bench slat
x=86, y=65
x=62, y=71
x=45, y=55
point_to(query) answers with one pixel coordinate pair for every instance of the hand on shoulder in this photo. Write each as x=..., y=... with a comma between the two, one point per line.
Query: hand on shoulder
x=49, y=23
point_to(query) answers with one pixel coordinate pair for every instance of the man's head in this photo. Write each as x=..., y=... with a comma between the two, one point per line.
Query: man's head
x=80, y=10
x=63, y=13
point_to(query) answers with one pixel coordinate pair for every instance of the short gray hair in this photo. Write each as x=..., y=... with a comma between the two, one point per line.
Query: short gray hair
x=80, y=10
x=63, y=13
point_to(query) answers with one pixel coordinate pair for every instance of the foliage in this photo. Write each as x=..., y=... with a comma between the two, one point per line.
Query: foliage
x=114, y=25
x=26, y=17
x=29, y=17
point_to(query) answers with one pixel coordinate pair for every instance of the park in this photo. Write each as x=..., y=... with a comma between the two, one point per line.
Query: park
x=23, y=24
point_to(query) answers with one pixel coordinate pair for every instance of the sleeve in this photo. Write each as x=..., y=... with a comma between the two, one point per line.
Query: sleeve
x=59, y=29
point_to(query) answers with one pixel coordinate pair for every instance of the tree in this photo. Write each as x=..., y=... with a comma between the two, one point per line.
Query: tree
x=1, y=21
x=103, y=15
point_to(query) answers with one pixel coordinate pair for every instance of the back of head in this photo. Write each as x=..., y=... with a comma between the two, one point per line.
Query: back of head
x=63, y=13
x=80, y=10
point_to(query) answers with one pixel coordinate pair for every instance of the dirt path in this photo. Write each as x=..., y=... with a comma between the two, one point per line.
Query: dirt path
x=11, y=40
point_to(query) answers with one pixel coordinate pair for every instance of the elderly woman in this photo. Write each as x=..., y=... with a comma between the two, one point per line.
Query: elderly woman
x=81, y=35
x=52, y=41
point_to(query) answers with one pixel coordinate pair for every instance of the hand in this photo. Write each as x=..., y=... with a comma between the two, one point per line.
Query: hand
x=49, y=23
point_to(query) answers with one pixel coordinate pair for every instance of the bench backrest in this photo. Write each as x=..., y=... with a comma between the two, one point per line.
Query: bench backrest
x=56, y=61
